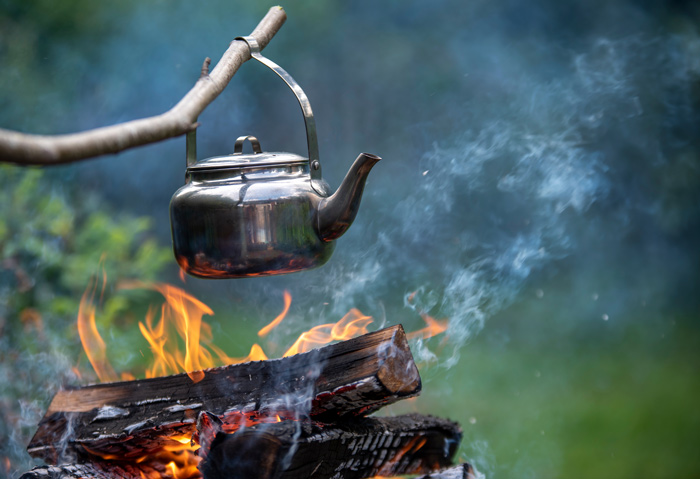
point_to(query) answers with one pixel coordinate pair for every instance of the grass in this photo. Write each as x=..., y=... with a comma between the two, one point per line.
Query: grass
x=620, y=408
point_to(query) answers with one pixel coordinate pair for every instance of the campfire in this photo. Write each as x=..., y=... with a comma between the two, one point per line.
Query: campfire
x=199, y=413
x=303, y=415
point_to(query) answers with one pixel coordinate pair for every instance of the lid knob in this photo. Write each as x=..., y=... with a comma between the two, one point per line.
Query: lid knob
x=238, y=146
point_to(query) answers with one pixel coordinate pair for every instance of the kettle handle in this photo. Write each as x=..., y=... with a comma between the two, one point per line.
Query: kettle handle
x=311, y=138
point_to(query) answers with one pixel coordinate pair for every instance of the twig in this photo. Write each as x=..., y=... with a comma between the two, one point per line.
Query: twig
x=28, y=149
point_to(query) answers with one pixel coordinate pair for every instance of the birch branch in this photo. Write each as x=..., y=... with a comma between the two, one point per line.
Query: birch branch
x=27, y=149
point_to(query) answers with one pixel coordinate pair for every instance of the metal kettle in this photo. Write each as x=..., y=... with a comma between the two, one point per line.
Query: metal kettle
x=263, y=213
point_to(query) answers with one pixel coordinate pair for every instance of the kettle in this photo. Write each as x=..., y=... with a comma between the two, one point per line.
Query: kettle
x=263, y=213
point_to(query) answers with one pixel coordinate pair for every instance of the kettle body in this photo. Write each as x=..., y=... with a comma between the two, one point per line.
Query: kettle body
x=259, y=214
x=249, y=220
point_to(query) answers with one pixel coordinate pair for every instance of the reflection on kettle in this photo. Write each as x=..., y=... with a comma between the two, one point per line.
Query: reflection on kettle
x=263, y=213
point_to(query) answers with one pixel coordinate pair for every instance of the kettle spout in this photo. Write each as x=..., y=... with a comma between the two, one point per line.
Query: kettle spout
x=337, y=212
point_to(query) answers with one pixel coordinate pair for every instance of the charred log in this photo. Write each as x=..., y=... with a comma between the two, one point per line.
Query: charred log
x=130, y=419
x=351, y=449
x=89, y=471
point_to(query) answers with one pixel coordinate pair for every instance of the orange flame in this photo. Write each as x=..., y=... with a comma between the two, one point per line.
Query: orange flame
x=180, y=340
x=183, y=312
x=287, y=302
x=180, y=458
x=433, y=328
x=93, y=344
x=256, y=354
x=353, y=324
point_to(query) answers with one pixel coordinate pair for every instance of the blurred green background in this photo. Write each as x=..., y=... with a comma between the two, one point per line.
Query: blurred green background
x=540, y=188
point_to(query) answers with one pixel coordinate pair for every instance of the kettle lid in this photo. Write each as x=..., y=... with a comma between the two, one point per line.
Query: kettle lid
x=256, y=160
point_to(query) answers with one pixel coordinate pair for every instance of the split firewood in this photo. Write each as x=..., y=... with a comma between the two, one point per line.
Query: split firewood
x=350, y=449
x=130, y=419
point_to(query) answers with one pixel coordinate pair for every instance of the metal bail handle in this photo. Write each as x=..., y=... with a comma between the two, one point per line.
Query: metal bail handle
x=191, y=146
x=311, y=139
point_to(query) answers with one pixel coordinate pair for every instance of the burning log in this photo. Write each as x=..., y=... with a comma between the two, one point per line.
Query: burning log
x=89, y=471
x=350, y=449
x=130, y=419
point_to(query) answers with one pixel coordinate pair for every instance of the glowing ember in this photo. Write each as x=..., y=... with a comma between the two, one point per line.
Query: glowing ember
x=411, y=446
x=178, y=456
x=181, y=461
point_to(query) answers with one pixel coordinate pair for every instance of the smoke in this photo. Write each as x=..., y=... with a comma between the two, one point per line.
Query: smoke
x=481, y=458
x=533, y=179
x=32, y=379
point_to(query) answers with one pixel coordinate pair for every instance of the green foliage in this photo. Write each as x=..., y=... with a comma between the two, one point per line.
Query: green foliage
x=52, y=242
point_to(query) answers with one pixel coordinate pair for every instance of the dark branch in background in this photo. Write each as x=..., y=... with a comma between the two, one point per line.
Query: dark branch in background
x=27, y=149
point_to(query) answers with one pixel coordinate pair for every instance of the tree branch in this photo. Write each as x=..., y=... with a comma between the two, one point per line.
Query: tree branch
x=28, y=149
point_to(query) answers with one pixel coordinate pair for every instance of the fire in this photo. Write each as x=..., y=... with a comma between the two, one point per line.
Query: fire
x=181, y=341
x=433, y=327
x=353, y=324
x=411, y=446
x=183, y=312
x=287, y=302
x=256, y=354
x=181, y=461
x=93, y=344
x=177, y=454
